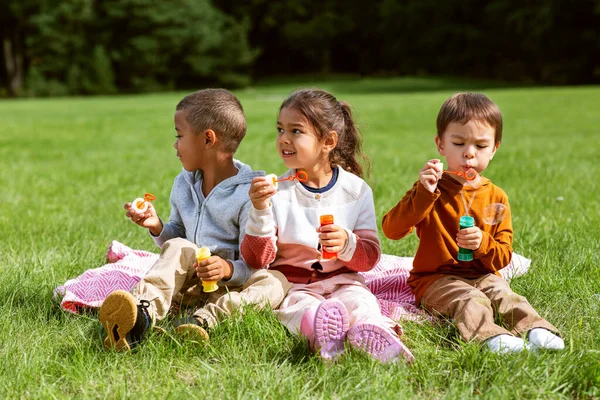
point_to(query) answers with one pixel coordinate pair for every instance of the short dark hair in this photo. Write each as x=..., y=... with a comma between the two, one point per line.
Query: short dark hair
x=218, y=110
x=467, y=106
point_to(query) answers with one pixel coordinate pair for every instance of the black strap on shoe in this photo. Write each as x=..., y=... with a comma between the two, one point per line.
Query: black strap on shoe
x=142, y=324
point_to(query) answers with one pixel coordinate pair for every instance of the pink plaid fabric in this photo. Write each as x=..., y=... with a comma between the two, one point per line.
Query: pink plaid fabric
x=387, y=281
x=125, y=268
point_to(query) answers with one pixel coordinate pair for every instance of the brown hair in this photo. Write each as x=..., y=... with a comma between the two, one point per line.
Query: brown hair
x=218, y=110
x=467, y=106
x=326, y=114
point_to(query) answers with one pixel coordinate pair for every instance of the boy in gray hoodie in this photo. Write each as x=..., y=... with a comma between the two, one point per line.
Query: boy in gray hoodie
x=209, y=208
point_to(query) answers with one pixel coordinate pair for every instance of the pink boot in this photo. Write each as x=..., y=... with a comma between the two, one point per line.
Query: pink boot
x=325, y=327
x=379, y=342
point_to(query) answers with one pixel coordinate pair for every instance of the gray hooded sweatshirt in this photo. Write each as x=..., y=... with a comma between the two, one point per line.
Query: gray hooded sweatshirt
x=216, y=221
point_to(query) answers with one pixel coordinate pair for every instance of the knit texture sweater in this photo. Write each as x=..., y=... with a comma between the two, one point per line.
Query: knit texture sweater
x=284, y=236
x=435, y=216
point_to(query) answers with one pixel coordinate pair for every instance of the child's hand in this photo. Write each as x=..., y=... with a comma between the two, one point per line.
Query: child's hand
x=260, y=192
x=469, y=238
x=430, y=174
x=214, y=268
x=147, y=219
x=333, y=238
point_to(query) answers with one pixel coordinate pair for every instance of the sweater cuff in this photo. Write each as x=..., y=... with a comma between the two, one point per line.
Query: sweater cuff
x=163, y=236
x=422, y=191
x=483, y=247
x=348, y=251
x=241, y=272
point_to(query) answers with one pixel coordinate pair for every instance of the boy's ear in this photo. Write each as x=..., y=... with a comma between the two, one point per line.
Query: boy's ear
x=440, y=146
x=209, y=138
x=494, y=151
x=330, y=141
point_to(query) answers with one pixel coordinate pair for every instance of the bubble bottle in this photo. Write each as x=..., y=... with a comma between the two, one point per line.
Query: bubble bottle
x=465, y=221
x=327, y=219
x=202, y=254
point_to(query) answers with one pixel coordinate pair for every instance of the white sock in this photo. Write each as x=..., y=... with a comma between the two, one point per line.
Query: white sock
x=505, y=344
x=541, y=338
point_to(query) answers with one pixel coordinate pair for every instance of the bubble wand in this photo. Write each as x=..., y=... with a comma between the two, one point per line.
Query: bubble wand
x=301, y=176
x=469, y=175
x=140, y=205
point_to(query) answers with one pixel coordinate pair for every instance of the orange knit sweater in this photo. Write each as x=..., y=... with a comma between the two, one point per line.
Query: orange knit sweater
x=435, y=217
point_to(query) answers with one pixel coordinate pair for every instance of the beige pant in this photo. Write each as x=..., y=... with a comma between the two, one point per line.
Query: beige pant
x=471, y=304
x=350, y=289
x=173, y=279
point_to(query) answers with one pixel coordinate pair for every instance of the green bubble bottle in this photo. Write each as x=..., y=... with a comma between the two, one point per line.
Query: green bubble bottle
x=465, y=254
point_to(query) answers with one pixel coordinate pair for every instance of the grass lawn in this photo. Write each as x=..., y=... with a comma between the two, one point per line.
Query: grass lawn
x=68, y=165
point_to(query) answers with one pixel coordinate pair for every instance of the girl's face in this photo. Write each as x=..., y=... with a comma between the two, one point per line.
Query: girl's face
x=297, y=142
x=471, y=145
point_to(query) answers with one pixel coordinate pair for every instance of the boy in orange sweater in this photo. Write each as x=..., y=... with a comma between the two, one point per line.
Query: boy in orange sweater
x=469, y=131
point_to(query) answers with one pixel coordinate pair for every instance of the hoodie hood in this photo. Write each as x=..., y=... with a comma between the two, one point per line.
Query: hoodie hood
x=244, y=175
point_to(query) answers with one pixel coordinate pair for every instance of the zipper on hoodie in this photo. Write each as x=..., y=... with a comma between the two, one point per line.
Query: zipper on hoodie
x=201, y=211
x=198, y=214
x=206, y=199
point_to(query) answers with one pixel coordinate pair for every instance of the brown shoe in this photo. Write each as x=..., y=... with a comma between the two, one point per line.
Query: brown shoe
x=124, y=321
x=192, y=328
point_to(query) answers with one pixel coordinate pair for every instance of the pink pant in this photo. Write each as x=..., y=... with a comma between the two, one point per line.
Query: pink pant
x=350, y=289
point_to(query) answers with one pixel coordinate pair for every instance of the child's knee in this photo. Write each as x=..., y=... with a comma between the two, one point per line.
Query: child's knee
x=177, y=243
x=473, y=300
x=273, y=282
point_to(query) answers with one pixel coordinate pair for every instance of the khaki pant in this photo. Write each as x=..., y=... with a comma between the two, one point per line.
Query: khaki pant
x=173, y=279
x=349, y=288
x=471, y=304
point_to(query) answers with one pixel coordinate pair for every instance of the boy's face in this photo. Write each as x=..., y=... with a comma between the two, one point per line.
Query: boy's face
x=189, y=145
x=297, y=141
x=471, y=145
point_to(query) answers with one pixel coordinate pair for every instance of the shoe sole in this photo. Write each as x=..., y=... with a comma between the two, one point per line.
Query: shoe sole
x=192, y=331
x=378, y=342
x=118, y=314
x=330, y=328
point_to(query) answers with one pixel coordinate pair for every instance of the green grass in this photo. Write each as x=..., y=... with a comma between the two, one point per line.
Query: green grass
x=68, y=165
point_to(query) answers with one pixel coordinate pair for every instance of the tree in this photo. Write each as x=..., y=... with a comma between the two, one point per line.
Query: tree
x=173, y=44
x=15, y=27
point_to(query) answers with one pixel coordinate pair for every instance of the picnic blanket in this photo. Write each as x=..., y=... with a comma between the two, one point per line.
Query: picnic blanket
x=126, y=266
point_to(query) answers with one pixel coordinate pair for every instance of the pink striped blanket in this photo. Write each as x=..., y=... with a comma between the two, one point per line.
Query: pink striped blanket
x=125, y=267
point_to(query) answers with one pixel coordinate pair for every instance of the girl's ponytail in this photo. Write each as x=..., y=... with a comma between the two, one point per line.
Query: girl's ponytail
x=349, y=147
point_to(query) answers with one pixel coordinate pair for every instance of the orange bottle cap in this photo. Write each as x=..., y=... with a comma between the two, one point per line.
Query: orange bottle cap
x=326, y=219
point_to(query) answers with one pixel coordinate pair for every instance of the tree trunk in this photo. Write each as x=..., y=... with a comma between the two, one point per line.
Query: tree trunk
x=13, y=63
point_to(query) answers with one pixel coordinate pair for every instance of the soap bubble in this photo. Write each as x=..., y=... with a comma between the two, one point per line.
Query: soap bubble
x=494, y=213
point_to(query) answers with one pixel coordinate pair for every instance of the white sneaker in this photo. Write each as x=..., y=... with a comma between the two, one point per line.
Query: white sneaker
x=505, y=344
x=541, y=338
